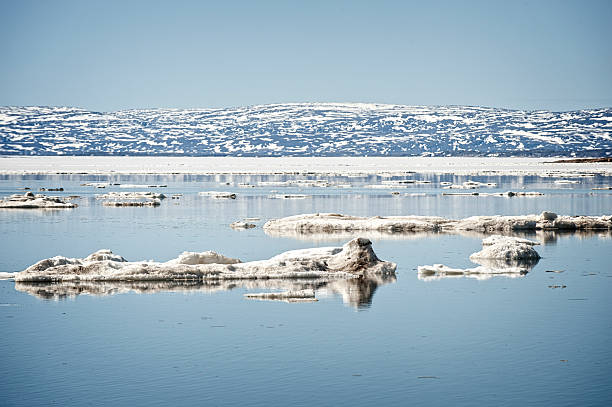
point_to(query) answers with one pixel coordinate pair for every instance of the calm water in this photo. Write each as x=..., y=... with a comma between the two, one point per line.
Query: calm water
x=502, y=341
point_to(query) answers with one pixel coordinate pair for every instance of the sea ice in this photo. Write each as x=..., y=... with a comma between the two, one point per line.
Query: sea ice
x=333, y=222
x=355, y=259
x=501, y=255
x=30, y=200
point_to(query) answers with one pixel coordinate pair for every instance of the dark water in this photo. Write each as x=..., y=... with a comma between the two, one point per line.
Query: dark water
x=501, y=341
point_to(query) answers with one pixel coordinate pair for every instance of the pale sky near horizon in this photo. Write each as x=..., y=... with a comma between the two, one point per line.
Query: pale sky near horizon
x=111, y=55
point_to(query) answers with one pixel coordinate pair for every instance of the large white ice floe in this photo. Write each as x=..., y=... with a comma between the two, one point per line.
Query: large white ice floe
x=500, y=256
x=355, y=259
x=30, y=200
x=333, y=222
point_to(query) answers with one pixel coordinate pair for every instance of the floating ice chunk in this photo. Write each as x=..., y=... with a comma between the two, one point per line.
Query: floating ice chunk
x=500, y=255
x=507, y=249
x=6, y=276
x=331, y=222
x=566, y=181
x=153, y=202
x=131, y=195
x=356, y=258
x=307, y=295
x=218, y=194
x=439, y=271
x=32, y=201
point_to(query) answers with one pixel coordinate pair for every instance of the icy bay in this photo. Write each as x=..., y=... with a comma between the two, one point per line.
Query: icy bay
x=538, y=338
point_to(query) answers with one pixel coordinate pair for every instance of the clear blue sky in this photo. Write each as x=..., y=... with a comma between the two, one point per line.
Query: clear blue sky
x=110, y=55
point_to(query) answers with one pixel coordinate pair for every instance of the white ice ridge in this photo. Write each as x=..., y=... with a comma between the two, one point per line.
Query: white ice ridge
x=333, y=222
x=30, y=200
x=353, y=260
x=501, y=255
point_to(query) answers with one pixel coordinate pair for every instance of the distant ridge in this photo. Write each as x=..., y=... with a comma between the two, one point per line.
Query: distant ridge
x=307, y=129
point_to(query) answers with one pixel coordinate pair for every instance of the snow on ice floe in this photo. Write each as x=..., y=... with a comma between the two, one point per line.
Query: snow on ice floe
x=500, y=256
x=30, y=200
x=353, y=260
x=333, y=222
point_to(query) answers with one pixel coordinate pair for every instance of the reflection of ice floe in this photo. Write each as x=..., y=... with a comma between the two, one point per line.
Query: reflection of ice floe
x=307, y=295
x=242, y=225
x=35, y=201
x=289, y=196
x=507, y=194
x=356, y=292
x=500, y=256
x=141, y=186
x=332, y=222
x=356, y=258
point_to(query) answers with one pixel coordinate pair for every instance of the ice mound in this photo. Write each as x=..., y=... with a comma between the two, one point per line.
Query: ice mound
x=31, y=201
x=502, y=252
x=353, y=260
x=501, y=255
x=332, y=222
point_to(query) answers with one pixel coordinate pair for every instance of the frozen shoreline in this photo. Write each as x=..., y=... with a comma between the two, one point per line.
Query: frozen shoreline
x=289, y=165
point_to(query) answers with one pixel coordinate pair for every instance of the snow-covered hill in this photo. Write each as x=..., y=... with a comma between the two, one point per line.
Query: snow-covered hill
x=307, y=129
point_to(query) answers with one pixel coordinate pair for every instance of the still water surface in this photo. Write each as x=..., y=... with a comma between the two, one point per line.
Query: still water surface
x=501, y=341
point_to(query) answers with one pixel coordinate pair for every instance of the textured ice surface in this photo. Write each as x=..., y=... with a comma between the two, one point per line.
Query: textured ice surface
x=333, y=222
x=353, y=260
x=30, y=200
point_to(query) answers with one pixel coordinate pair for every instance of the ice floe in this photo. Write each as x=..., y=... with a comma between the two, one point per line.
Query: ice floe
x=30, y=200
x=355, y=259
x=500, y=256
x=153, y=202
x=131, y=195
x=333, y=222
